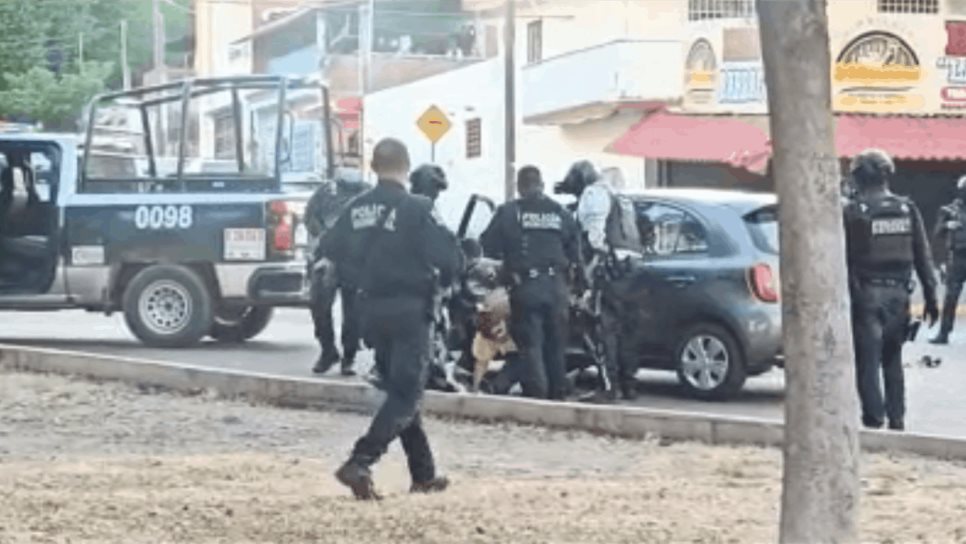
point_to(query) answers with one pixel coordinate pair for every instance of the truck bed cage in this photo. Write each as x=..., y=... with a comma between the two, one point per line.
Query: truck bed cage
x=183, y=92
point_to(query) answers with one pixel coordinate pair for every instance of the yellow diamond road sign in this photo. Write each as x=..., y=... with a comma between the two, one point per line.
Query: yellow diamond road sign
x=434, y=124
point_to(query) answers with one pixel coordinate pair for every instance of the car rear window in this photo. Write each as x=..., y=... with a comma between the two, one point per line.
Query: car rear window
x=763, y=226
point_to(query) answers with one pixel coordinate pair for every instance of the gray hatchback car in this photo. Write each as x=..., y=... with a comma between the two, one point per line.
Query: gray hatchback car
x=701, y=295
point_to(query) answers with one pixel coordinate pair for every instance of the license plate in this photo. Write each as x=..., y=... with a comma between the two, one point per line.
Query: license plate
x=244, y=244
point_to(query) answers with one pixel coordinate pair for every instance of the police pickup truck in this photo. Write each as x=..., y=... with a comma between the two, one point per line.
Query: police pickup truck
x=186, y=227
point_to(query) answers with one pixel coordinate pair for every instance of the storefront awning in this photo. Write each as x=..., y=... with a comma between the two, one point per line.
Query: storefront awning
x=907, y=138
x=744, y=141
x=667, y=136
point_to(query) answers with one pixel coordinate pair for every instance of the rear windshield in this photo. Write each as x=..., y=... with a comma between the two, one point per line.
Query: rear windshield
x=763, y=226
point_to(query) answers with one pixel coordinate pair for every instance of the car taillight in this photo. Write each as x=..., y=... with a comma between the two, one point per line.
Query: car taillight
x=763, y=283
x=280, y=220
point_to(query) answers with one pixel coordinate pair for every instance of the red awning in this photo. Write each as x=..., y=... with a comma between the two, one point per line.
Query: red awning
x=667, y=136
x=910, y=138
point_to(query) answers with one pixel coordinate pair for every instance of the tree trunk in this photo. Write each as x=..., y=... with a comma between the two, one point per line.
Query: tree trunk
x=820, y=491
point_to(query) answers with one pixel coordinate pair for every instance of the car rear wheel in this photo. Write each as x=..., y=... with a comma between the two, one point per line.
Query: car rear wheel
x=168, y=306
x=709, y=362
x=236, y=325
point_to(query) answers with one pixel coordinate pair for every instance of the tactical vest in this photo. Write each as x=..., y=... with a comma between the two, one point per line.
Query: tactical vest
x=958, y=237
x=621, y=227
x=886, y=233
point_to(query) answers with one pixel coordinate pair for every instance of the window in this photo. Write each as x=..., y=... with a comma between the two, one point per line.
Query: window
x=224, y=136
x=763, y=226
x=700, y=10
x=535, y=41
x=474, y=138
x=669, y=231
x=908, y=6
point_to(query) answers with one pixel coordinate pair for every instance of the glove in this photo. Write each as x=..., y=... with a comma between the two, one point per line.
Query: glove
x=953, y=225
x=932, y=312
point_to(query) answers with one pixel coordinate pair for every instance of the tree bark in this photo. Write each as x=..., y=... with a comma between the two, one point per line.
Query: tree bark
x=820, y=488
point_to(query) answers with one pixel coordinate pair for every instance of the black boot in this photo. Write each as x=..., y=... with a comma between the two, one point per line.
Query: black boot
x=940, y=339
x=629, y=390
x=897, y=425
x=329, y=357
x=601, y=396
x=436, y=485
x=347, y=366
x=358, y=478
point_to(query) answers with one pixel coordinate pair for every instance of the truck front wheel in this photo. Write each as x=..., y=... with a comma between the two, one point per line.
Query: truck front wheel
x=168, y=306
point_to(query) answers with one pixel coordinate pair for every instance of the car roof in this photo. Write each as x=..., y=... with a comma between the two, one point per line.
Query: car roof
x=740, y=201
x=65, y=139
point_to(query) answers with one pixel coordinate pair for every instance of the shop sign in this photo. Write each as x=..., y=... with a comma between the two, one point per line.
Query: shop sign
x=877, y=72
x=953, y=92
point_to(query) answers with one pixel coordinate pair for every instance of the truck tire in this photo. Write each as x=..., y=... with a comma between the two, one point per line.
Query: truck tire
x=238, y=326
x=168, y=306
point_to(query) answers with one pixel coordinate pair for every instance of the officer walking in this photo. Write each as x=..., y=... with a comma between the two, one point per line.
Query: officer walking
x=952, y=226
x=885, y=241
x=321, y=213
x=390, y=240
x=537, y=240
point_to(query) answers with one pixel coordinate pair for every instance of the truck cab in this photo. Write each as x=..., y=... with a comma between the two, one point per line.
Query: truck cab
x=186, y=227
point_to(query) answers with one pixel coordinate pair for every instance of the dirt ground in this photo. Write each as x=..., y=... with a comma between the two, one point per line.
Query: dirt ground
x=105, y=463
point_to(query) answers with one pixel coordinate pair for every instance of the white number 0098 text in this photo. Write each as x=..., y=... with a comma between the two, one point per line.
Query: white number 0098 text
x=163, y=217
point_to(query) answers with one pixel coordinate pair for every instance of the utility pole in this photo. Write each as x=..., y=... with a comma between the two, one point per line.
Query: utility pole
x=820, y=486
x=509, y=40
x=365, y=28
x=125, y=67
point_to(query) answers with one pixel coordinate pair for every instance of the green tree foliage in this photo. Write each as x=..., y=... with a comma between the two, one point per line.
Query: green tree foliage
x=55, y=101
x=40, y=66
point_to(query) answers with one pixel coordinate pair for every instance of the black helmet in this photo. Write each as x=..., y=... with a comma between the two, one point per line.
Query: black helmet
x=581, y=175
x=961, y=189
x=428, y=180
x=872, y=167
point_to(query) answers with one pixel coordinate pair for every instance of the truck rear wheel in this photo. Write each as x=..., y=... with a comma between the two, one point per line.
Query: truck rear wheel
x=168, y=306
x=238, y=325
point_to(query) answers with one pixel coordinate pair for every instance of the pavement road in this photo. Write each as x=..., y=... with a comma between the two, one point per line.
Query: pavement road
x=936, y=404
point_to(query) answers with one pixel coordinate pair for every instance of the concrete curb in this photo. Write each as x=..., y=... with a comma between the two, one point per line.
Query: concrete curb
x=630, y=422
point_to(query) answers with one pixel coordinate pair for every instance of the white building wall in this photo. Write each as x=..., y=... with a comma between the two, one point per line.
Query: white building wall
x=464, y=94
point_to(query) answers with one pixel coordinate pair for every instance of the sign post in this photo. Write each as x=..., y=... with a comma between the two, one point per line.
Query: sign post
x=434, y=125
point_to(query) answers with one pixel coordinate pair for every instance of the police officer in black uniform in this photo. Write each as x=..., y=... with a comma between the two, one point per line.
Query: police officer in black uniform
x=951, y=225
x=538, y=241
x=391, y=241
x=321, y=213
x=886, y=240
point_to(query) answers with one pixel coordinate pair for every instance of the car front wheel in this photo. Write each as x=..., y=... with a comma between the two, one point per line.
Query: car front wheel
x=168, y=306
x=709, y=362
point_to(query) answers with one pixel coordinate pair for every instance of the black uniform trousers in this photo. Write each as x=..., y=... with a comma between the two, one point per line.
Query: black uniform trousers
x=322, y=299
x=880, y=324
x=397, y=328
x=621, y=363
x=956, y=276
x=539, y=309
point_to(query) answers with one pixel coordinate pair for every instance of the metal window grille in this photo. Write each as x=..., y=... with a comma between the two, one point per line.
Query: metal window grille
x=700, y=10
x=535, y=41
x=224, y=136
x=908, y=6
x=474, y=138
